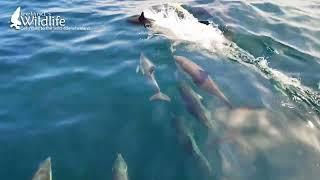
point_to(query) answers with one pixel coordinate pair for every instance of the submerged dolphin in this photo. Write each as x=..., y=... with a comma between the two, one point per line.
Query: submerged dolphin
x=120, y=169
x=192, y=101
x=44, y=171
x=201, y=78
x=147, y=68
x=187, y=140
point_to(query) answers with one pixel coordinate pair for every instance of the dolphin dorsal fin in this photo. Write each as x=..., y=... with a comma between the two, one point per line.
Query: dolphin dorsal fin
x=204, y=22
x=142, y=18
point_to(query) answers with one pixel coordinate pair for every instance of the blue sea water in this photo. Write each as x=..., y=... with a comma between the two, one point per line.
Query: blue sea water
x=75, y=96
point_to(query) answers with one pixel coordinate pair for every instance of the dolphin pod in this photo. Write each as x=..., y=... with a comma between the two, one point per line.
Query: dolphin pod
x=187, y=140
x=147, y=69
x=201, y=78
x=192, y=102
x=190, y=98
x=120, y=169
x=44, y=171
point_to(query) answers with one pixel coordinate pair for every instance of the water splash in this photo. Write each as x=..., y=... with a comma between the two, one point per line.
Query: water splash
x=178, y=25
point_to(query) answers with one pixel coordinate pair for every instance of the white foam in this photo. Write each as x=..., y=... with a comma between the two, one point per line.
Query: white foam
x=276, y=74
x=176, y=23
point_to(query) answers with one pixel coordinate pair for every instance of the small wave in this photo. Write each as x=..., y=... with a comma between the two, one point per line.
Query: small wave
x=178, y=25
x=291, y=86
x=71, y=121
x=268, y=7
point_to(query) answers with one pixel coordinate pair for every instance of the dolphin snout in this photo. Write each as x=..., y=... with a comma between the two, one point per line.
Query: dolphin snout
x=177, y=58
x=119, y=157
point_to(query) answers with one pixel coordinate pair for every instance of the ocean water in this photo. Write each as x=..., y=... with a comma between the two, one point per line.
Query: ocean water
x=74, y=95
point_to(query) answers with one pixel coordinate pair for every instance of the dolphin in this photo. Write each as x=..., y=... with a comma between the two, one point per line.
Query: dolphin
x=120, y=169
x=192, y=101
x=186, y=139
x=140, y=20
x=201, y=78
x=147, y=22
x=44, y=171
x=147, y=69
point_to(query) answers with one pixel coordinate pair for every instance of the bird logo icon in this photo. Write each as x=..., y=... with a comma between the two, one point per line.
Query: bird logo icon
x=15, y=19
